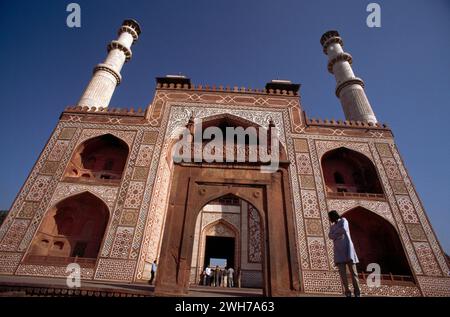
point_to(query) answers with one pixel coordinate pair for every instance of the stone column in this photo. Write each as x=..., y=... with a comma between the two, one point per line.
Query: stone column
x=107, y=76
x=349, y=88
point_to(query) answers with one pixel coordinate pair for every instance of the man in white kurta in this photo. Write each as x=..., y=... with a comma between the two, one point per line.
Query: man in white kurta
x=208, y=273
x=344, y=252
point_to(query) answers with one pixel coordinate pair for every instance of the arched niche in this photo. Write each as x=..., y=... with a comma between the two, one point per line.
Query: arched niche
x=73, y=228
x=100, y=159
x=377, y=241
x=250, y=142
x=349, y=172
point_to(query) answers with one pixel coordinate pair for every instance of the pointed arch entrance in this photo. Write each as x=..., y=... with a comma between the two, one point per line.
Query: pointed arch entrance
x=219, y=241
x=229, y=232
x=195, y=184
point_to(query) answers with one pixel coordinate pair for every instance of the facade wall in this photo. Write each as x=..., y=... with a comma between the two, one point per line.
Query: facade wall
x=137, y=205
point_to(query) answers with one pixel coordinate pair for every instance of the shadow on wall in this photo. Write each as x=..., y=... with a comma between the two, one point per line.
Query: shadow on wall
x=3, y=214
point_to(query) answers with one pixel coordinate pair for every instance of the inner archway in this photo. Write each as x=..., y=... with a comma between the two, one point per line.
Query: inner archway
x=229, y=234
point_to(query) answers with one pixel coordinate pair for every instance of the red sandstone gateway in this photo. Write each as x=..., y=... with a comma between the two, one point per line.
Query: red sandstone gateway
x=106, y=194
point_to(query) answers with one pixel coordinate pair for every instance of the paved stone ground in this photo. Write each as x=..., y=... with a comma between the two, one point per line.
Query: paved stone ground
x=141, y=289
x=9, y=286
x=27, y=283
x=205, y=291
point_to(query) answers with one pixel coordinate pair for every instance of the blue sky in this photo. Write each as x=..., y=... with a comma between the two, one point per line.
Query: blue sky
x=45, y=66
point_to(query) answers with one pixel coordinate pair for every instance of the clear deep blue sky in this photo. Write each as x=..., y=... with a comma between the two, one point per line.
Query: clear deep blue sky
x=45, y=66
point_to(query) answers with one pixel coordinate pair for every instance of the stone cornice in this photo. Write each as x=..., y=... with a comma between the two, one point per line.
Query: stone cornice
x=106, y=111
x=129, y=29
x=352, y=81
x=227, y=89
x=117, y=45
x=108, y=69
x=342, y=57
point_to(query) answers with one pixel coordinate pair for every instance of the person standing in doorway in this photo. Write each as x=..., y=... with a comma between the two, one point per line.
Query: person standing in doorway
x=217, y=276
x=230, y=273
x=208, y=274
x=225, y=277
x=153, y=272
x=213, y=277
x=344, y=252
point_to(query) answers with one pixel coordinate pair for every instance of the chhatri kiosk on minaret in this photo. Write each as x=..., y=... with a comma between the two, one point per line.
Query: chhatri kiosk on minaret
x=106, y=194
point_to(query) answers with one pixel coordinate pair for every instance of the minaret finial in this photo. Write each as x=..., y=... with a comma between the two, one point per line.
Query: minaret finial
x=349, y=88
x=107, y=76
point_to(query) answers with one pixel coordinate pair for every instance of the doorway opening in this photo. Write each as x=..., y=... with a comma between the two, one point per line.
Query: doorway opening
x=229, y=234
x=219, y=251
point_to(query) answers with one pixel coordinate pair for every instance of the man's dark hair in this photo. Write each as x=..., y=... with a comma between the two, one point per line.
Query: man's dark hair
x=333, y=216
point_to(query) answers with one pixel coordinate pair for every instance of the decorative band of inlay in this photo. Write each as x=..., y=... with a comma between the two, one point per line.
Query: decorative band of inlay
x=129, y=29
x=352, y=81
x=341, y=57
x=108, y=69
x=120, y=46
x=330, y=41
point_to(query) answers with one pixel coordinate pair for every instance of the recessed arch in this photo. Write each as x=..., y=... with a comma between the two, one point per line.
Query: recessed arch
x=223, y=222
x=99, y=159
x=377, y=241
x=192, y=187
x=73, y=228
x=381, y=208
x=209, y=196
x=206, y=232
x=348, y=171
x=82, y=190
x=229, y=228
x=227, y=118
x=222, y=121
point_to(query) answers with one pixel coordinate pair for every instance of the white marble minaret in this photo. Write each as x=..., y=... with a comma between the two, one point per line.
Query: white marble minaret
x=349, y=89
x=107, y=76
